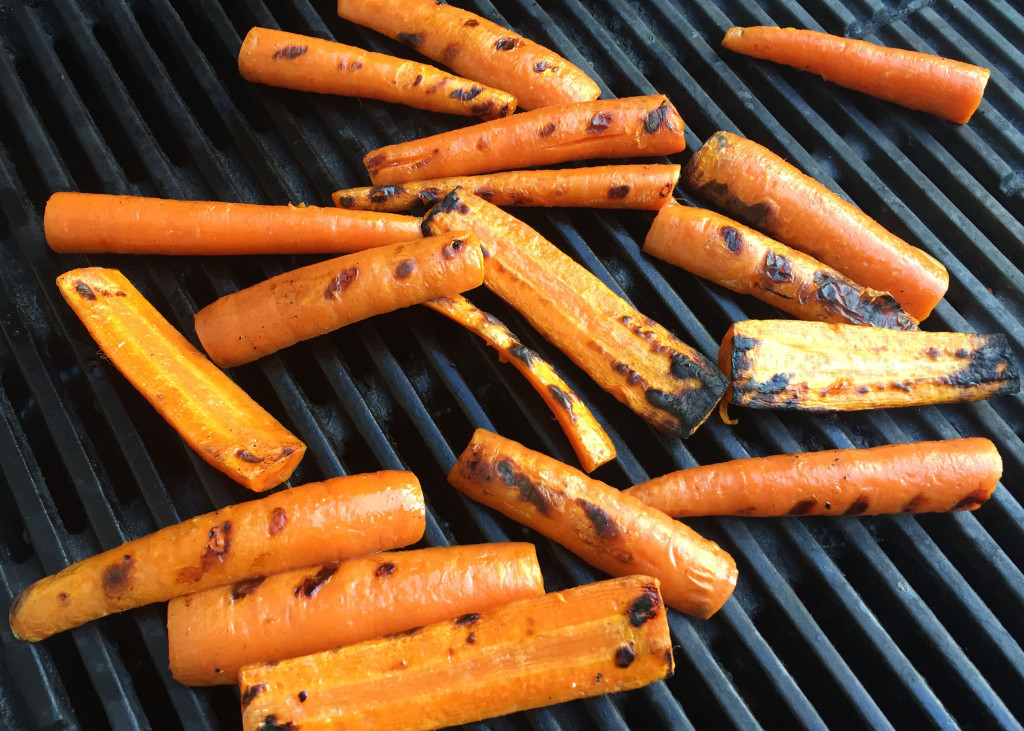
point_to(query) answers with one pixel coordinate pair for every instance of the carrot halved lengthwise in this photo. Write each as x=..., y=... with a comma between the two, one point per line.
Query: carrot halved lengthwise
x=306, y=525
x=124, y=224
x=317, y=299
x=211, y=412
x=605, y=527
x=923, y=477
x=940, y=86
x=638, y=126
x=605, y=637
x=762, y=190
x=745, y=261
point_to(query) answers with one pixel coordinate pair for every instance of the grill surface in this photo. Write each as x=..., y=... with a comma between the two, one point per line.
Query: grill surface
x=848, y=622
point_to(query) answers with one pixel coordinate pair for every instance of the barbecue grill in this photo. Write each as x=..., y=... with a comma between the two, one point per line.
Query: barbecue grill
x=906, y=621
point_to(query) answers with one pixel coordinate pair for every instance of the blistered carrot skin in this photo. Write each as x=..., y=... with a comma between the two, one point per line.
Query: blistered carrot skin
x=604, y=637
x=940, y=86
x=609, y=128
x=306, y=525
x=762, y=190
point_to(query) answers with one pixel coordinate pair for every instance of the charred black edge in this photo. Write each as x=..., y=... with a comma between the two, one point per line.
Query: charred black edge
x=250, y=692
x=270, y=724
x=449, y=204
x=990, y=363
x=689, y=408
x=843, y=296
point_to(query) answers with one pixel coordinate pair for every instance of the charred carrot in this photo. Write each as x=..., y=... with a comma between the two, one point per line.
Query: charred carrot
x=605, y=637
x=924, y=477
x=816, y=366
x=636, y=126
x=745, y=261
x=315, y=523
x=313, y=300
x=762, y=190
x=605, y=527
x=94, y=223
x=212, y=414
x=925, y=82
x=664, y=381
x=213, y=633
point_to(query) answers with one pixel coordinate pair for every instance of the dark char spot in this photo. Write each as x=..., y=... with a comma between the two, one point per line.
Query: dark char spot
x=506, y=44
x=542, y=66
x=562, y=399
x=309, y=586
x=603, y=524
x=988, y=364
x=598, y=678
x=241, y=589
x=472, y=23
x=303, y=695
x=117, y=576
x=467, y=95
x=419, y=80
x=347, y=201
x=246, y=456
x=467, y=620
x=486, y=193
x=405, y=268
x=624, y=656
x=646, y=606
x=913, y=504
x=385, y=569
x=683, y=367
x=618, y=191
x=404, y=633
x=840, y=294
x=471, y=638
x=483, y=108
x=354, y=65
x=341, y=282
x=278, y=520
x=599, y=123
x=733, y=239
x=381, y=193
x=527, y=490
x=218, y=545
x=410, y=39
x=429, y=196
x=450, y=51
x=270, y=723
x=858, y=507
x=765, y=390
x=375, y=161
x=972, y=501
x=452, y=248
x=290, y=52
x=250, y=692
x=546, y=130
x=933, y=353
x=803, y=507
x=750, y=214
x=777, y=267
x=85, y=291
x=655, y=118
x=522, y=353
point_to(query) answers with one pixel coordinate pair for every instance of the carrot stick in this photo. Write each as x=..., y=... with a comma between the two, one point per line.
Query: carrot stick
x=306, y=525
x=313, y=300
x=664, y=381
x=476, y=48
x=762, y=190
x=924, y=477
x=605, y=527
x=745, y=261
x=605, y=637
x=589, y=440
x=635, y=126
x=644, y=187
x=212, y=414
x=940, y=86
x=212, y=634
x=94, y=223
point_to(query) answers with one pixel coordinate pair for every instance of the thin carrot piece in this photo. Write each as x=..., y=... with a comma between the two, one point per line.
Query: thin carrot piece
x=605, y=637
x=213, y=633
x=95, y=223
x=745, y=261
x=664, y=381
x=631, y=127
x=314, y=523
x=313, y=300
x=762, y=190
x=211, y=412
x=589, y=440
x=923, y=477
x=940, y=86
x=605, y=527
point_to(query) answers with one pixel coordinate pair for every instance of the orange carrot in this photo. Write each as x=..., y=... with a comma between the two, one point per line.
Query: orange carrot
x=605, y=527
x=762, y=190
x=476, y=48
x=605, y=637
x=313, y=300
x=94, y=223
x=212, y=634
x=956, y=474
x=631, y=127
x=940, y=86
x=212, y=414
x=745, y=261
x=314, y=523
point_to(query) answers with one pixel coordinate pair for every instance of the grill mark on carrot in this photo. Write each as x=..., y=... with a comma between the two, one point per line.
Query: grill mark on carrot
x=604, y=526
x=881, y=310
x=624, y=656
x=404, y=633
x=656, y=118
x=599, y=123
x=547, y=130
x=471, y=23
x=309, y=586
x=302, y=696
x=646, y=607
x=382, y=192
x=618, y=191
x=506, y=44
x=117, y=577
x=527, y=490
x=411, y=39
x=753, y=214
x=858, y=506
x=990, y=363
x=542, y=66
x=290, y=52
x=278, y=521
x=452, y=249
x=404, y=269
x=562, y=399
x=85, y=291
x=246, y=456
x=523, y=353
x=972, y=501
x=468, y=620
x=450, y=52
x=385, y=569
x=467, y=95
x=241, y=589
x=270, y=724
x=913, y=504
x=250, y=692
x=777, y=267
x=63, y=598
x=341, y=282
x=218, y=545
x=803, y=507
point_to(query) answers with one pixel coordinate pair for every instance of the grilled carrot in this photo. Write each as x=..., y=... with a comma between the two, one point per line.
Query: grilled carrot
x=212, y=414
x=313, y=300
x=924, y=477
x=315, y=523
x=664, y=381
x=816, y=366
x=745, y=261
x=605, y=637
x=605, y=527
x=94, y=223
x=762, y=190
x=631, y=127
x=477, y=48
x=940, y=86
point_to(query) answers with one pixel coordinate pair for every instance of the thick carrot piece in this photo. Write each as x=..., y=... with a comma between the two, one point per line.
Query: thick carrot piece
x=923, y=477
x=212, y=634
x=925, y=82
x=94, y=223
x=211, y=412
x=605, y=637
x=315, y=523
x=762, y=190
x=730, y=254
x=317, y=299
x=632, y=127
